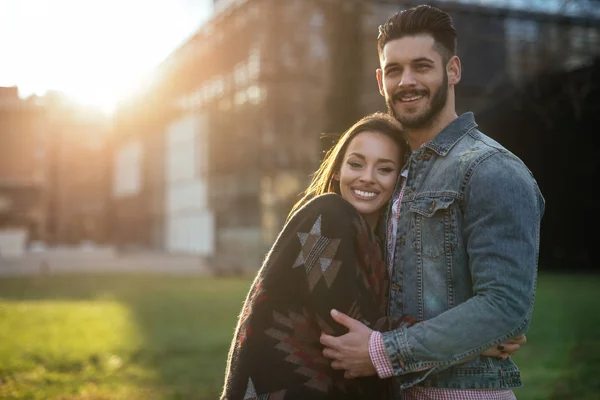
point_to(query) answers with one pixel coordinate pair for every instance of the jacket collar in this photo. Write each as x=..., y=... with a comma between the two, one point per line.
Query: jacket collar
x=452, y=133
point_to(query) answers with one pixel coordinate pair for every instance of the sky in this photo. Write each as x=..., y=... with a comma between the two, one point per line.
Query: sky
x=94, y=51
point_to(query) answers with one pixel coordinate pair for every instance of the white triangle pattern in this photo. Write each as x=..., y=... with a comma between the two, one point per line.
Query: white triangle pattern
x=250, y=391
x=325, y=263
x=316, y=228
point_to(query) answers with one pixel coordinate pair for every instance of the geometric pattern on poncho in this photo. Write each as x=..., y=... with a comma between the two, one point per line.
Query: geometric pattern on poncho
x=317, y=256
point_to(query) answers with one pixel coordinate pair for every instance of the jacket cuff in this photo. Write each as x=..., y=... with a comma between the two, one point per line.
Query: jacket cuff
x=379, y=357
x=398, y=350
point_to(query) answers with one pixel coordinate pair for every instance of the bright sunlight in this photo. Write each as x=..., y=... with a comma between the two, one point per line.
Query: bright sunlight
x=94, y=51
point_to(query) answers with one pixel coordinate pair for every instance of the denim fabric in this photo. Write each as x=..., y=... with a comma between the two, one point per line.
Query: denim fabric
x=466, y=260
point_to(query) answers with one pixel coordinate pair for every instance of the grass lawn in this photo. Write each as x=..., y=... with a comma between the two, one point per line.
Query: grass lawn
x=149, y=337
x=561, y=360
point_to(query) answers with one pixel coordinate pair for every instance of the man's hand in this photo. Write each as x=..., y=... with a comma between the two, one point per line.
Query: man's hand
x=350, y=351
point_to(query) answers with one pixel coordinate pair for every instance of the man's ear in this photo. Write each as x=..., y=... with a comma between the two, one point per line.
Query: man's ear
x=453, y=68
x=379, y=74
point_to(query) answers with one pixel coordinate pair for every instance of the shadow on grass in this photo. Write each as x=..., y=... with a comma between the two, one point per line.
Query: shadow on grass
x=186, y=323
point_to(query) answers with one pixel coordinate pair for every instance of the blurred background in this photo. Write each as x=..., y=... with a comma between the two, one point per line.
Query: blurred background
x=151, y=150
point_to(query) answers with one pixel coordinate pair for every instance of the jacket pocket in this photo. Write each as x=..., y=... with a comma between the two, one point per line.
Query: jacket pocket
x=434, y=230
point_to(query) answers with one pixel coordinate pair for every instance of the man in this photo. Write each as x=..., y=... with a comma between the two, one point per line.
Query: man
x=463, y=251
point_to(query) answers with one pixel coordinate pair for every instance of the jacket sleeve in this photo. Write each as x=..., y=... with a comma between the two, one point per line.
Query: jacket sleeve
x=502, y=211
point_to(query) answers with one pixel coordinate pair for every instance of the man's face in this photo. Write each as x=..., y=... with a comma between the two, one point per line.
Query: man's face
x=413, y=79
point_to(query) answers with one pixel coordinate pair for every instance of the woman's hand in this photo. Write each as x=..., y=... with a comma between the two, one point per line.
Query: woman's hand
x=506, y=349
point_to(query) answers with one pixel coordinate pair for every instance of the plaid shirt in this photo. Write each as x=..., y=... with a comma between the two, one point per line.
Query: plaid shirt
x=377, y=351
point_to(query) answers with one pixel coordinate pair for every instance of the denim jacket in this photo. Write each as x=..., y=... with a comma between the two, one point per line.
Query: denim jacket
x=465, y=262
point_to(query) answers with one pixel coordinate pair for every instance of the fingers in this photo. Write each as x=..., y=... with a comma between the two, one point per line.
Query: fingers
x=328, y=341
x=521, y=339
x=331, y=353
x=338, y=365
x=509, y=348
x=343, y=319
x=492, y=352
x=502, y=350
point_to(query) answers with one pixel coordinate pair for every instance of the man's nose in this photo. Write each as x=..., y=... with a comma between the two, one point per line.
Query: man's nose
x=408, y=79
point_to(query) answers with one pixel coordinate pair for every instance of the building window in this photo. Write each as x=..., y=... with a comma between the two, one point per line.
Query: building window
x=128, y=170
x=254, y=94
x=254, y=64
x=240, y=98
x=240, y=74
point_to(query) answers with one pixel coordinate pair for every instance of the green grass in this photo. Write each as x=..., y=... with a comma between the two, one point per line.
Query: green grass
x=166, y=337
x=116, y=337
x=561, y=359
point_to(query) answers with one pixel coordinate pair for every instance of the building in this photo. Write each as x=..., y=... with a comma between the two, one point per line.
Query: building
x=210, y=159
x=53, y=172
x=22, y=178
x=211, y=133
x=220, y=5
x=77, y=172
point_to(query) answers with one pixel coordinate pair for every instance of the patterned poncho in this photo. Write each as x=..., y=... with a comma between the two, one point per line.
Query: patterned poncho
x=325, y=257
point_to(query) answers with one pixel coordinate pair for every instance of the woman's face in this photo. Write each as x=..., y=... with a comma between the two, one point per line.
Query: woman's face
x=368, y=173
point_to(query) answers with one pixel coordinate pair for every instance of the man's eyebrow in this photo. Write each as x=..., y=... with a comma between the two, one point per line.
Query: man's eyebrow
x=392, y=64
x=416, y=60
x=423, y=59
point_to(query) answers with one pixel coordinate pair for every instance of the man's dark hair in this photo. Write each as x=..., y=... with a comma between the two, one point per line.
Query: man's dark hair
x=422, y=19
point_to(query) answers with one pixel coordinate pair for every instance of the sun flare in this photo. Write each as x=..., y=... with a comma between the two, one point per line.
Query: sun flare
x=95, y=52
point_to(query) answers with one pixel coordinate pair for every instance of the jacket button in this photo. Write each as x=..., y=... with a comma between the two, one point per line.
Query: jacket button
x=395, y=286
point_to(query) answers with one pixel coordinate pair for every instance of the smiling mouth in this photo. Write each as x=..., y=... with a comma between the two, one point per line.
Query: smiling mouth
x=365, y=194
x=409, y=96
x=409, y=99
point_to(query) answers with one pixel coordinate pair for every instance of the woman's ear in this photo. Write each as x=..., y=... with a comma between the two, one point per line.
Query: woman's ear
x=336, y=176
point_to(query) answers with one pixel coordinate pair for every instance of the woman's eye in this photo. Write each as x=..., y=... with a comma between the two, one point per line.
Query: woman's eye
x=354, y=164
x=386, y=170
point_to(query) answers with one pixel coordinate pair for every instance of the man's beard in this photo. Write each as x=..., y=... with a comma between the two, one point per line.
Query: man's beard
x=438, y=102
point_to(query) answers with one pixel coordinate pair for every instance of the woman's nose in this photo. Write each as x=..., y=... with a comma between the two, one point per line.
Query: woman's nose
x=368, y=175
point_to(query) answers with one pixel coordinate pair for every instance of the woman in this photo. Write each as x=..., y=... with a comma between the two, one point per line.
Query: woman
x=326, y=257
